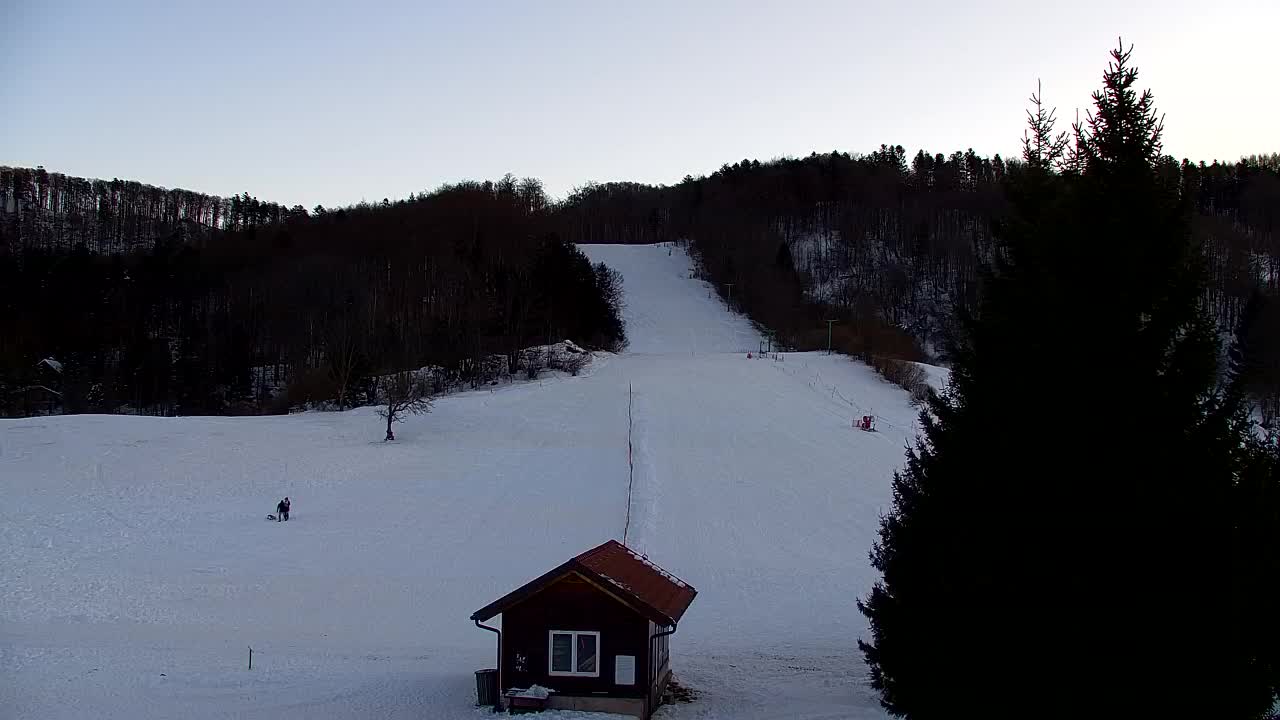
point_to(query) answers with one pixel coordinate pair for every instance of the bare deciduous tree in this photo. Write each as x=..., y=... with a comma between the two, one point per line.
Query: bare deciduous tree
x=404, y=393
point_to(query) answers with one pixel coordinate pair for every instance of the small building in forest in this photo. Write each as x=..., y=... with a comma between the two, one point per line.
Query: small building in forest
x=593, y=632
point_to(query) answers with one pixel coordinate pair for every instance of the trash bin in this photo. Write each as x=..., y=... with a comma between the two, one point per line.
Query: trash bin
x=487, y=687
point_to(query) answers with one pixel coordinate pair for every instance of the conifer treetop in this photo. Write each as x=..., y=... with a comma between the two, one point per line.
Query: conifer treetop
x=1124, y=127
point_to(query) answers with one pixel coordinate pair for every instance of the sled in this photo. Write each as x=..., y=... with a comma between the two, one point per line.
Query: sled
x=867, y=423
x=271, y=517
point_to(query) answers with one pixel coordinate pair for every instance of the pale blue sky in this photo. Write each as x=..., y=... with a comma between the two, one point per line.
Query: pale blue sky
x=298, y=104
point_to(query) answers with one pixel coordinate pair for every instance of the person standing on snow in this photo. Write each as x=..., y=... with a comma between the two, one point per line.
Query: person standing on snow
x=282, y=510
x=286, y=508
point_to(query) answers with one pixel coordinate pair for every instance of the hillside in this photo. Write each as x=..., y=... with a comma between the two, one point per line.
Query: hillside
x=137, y=567
x=889, y=245
x=281, y=313
x=893, y=246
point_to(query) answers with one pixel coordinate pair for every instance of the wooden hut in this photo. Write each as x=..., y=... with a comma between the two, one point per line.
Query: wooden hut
x=594, y=631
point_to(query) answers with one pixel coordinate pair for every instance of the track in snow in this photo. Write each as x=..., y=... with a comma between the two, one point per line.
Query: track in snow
x=136, y=566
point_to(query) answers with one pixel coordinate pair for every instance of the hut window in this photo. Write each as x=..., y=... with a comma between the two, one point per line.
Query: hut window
x=574, y=652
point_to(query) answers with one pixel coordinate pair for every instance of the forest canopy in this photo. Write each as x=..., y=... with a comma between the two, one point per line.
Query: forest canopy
x=173, y=301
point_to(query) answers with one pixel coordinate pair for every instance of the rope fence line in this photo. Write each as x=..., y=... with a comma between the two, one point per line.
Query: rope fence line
x=631, y=466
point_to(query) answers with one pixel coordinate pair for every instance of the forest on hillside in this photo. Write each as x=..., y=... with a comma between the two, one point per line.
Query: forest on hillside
x=173, y=301
x=895, y=249
x=901, y=241
x=123, y=297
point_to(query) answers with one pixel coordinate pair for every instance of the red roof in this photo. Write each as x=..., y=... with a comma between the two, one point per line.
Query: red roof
x=652, y=591
x=633, y=573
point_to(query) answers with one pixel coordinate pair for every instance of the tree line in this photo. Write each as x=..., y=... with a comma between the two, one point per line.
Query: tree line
x=167, y=302
x=895, y=248
x=53, y=211
x=892, y=247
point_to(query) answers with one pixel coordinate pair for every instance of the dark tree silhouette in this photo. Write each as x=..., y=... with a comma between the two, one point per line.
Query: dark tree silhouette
x=204, y=305
x=405, y=393
x=1032, y=566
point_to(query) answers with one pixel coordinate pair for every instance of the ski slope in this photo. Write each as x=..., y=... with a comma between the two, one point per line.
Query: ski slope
x=137, y=567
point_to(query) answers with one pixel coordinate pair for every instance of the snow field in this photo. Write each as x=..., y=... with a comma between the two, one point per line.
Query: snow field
x=137, y=566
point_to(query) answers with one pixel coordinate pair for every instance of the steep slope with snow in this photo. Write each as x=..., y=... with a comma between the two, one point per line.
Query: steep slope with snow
x=137, y=567
x=668, y=312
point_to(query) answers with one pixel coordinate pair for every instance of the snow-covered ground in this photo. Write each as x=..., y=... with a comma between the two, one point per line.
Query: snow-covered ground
x=937, y=377
x=137, y=566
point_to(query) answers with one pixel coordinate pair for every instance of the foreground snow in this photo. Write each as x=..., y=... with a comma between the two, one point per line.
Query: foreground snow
x=137, y=566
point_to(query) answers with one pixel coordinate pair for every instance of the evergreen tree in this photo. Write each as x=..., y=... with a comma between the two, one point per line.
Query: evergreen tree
x=1057, y=541
x=1253, y=664
x=1252, y=660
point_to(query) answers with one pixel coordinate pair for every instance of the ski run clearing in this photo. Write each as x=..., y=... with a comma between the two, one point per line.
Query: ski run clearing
x=137, y=566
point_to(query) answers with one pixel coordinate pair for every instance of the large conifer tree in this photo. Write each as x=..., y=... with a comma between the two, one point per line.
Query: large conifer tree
x=1059, y=538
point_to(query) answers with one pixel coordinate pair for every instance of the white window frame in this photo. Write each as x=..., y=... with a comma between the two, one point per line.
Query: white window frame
x=573, y=652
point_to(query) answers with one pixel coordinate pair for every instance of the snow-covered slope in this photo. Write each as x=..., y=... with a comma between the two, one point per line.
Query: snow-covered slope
x=668, y=312
x=137, y=566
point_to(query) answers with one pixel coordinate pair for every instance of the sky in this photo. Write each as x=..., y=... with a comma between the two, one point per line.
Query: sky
x=296, y=103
